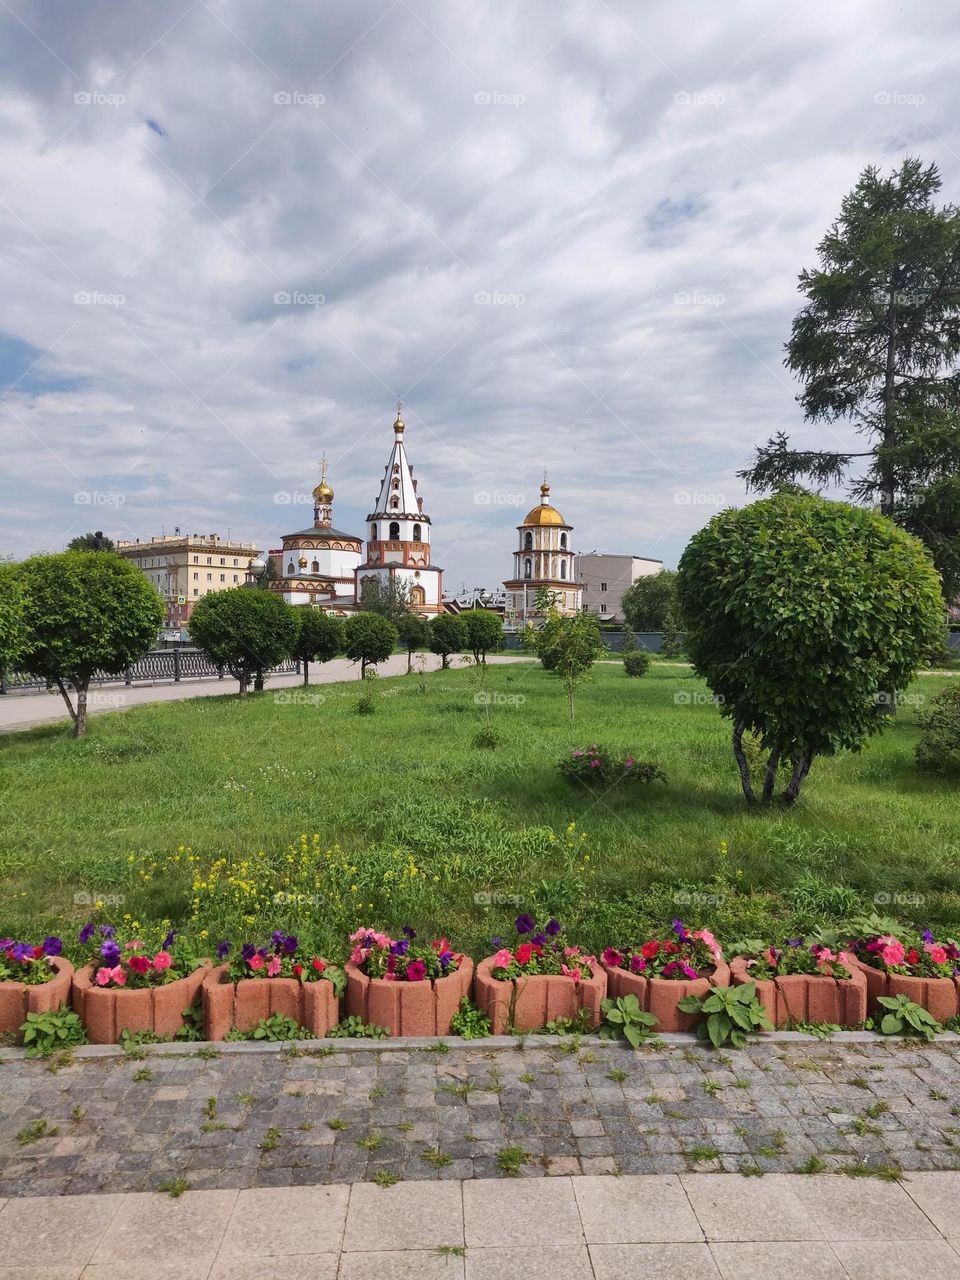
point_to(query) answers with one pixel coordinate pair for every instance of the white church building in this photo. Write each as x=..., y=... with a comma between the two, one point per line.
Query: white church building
x=324, y=566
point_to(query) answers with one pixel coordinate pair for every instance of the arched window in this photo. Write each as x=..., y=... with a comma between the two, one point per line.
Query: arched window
x=527, y=568
x=563, y=542
x=394, y=530
x=417, y=533
x=373, y=533
x=418, y=595
x=290, y=567
x=394, y=503
x=315, y=567
x=563, y=568
x=528, y=542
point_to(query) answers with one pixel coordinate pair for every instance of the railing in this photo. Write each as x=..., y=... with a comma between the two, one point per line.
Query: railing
x=159, y=664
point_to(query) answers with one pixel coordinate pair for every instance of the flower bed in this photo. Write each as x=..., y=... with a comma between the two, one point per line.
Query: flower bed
x=600, y=766
x=412, y=990
x=660, y=972
x=126, y=988
x=33, y=979
x=800, y=983
x=924, y=970
x=262, y=981
x=542, y=979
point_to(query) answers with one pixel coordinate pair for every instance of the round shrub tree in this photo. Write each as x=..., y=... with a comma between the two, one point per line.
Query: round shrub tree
x=636, y=662
x=484, y=632
x=13, y=632
x=448, y=634
x=938, y=750
x=319, y=637
x=369, y=639
x=804, y=616
x=85, y=611
x=244, y=631
x=414, y=633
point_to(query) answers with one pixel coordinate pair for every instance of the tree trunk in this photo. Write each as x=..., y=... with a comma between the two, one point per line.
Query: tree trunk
x=770, y=777
x=800, y=771
x=741, y=759
x=409, y=661
x=444, y=661
x=66, y=698
x=306, y=672
x=258, y=681
x=80, y=724
x=570, y=696
x=243, y=680
x=363, y=667
x=887, y=479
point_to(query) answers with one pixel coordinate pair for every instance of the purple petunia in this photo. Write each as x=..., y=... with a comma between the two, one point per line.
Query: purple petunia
x=552, y=929
x=410, y=933
x=111, y=953
x=524, y=924
x=277, y=937
x=52, y=946
x=22, y=951
x=168, y=941
x=248, y=951
x=223, y=950
x=290, y=943
x=87, y=932
x=399, y=948
x=539, y=939
x=107, y=931
x=928, y=935
x=496, y=943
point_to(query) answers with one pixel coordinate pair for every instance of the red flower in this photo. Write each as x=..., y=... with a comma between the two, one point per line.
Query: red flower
x=523, y=953
x=297, y=970
x=139, y=964
x=416, y=971
x=318, y=964
x=912, y=956
x=37, y=952
x=649, y=949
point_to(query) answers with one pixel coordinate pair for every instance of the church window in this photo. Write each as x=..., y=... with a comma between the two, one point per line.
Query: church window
x=563, y=542
x=527, y=568
x=373, y=533
x=290, y=567
x=563, y=568
x=394, y=502
x=418, y=595
x=528, y=542
x=315, y=567
x=417, y=533
x=394, y=529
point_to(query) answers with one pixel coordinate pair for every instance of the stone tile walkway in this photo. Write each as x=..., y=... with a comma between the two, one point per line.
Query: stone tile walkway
x=248, y=1118
x=697, y=1226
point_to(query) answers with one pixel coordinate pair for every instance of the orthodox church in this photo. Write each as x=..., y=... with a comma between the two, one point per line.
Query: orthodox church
x=544, y=560
x=324, y=566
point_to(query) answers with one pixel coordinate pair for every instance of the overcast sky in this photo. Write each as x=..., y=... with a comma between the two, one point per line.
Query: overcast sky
x=565, y=233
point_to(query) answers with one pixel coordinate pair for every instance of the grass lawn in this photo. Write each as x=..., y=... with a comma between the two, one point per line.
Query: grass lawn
x=407, y=820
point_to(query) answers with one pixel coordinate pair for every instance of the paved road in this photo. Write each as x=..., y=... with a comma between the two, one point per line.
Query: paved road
x=23, y=710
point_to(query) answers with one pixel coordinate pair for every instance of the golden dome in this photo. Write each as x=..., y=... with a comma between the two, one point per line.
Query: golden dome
x=323, y=493
x=544, y=514
x=302, y=562
x=399, y=425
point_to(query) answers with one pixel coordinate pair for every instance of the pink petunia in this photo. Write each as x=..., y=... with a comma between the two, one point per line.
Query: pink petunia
x=273, y=968
x=891, y=950
x=162, y=960
x=256, y=961
x=119, y=976
x=936, y=953
x=103, y=976
x=575, y=974
x=502, y=959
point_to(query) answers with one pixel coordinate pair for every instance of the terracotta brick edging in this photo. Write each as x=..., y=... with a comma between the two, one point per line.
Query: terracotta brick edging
x=659, y=996
x=808, y=997
x=408, y=1008
x=537, y=998
x=243, y=1004
x=17, y=999
x=106, y=1011
x=939, y=996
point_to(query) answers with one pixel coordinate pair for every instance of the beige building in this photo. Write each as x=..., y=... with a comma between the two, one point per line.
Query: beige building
x=606, y=578
x=184, y=568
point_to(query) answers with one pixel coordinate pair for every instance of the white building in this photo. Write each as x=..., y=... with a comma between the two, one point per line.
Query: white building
x=544, y=560
x=398, y=535
x=605, y=579
x=317, y=565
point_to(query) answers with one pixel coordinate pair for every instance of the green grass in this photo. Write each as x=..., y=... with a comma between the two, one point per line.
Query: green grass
x=485, y=829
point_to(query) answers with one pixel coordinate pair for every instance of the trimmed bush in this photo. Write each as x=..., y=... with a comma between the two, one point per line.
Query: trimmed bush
x=636, y=663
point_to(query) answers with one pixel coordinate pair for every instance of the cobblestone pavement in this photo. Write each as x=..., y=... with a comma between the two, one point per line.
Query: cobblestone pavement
x=267, y=1119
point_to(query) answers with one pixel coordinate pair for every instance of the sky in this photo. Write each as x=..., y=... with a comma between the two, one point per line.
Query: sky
x=564, y=233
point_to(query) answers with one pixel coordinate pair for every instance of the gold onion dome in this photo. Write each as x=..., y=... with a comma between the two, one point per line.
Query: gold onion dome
x=323, y=493
x=399, y=425
x=544, y=513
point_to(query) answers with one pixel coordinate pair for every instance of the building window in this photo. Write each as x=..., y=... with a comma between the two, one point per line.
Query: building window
x=528, y=542
x=223, y=560
x=603, y=608
x=196, y=577
x=418, y=595
x=209, y=577
x=373, y=533
x=603, y=586
x=290, y=567
x=223, y=577
x=394, y=503
x=417, y=533
x=527, y=568
x=209, y=560
x=315, y=566
x=235, y=561
x=196, y=559
x=563, y=542
x=394, y=529
x=563, y=568
x=235, y=577
x=196, y=591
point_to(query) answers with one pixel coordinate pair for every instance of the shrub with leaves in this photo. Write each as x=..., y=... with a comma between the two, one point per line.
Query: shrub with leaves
x=48, y=1033
x=354, y=1028
x=903, y=1017
x=469, y=1021
x=600, y=765
x=730, y=1014
x=625, y=1020
x=636, y=663
x=938, y=750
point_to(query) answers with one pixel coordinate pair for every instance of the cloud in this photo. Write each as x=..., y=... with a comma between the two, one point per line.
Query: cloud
x=565, y=234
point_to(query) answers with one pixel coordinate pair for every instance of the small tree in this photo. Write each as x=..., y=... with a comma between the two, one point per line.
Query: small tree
x=319, y=637
x=646, y=603
x=938, y=750
x=389, y=598
x=800, y=613
x=369, y=638
x=414, y=633
x=243, y=630
x=568, y=648
x=628, y=640
x=13, y=633
x=448, y=634
x=484, y=633
x=85, y=611
x=91, y=542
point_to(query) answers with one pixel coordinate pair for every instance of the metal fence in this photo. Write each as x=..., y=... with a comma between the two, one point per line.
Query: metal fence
x=158, y=665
